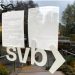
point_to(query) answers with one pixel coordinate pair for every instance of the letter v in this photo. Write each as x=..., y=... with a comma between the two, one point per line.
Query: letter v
x=21, y=59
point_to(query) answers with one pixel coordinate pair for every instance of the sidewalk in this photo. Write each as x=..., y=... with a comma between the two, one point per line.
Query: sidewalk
x=34, y=70
x=40, y=73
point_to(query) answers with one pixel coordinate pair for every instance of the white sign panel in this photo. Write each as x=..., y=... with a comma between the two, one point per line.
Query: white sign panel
x=43, y=23
x=13, y=29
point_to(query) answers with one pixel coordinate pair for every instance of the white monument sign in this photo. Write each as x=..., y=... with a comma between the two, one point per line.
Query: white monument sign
x=43, y=24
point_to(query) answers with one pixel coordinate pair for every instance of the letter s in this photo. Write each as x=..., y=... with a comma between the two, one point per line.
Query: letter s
x=11, y=53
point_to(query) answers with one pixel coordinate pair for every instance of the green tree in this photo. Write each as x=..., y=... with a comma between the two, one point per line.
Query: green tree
x=68, y=19
x=61, y=29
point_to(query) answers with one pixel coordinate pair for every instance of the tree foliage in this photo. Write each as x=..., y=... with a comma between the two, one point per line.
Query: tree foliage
x=68, y=19
x=61, y=29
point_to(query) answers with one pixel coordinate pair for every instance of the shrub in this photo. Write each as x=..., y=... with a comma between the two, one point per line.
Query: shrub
x=3, y=70
x=67, y=70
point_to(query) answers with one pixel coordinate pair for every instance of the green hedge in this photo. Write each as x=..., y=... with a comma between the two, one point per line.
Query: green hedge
x=3, y=70
x=67, y=69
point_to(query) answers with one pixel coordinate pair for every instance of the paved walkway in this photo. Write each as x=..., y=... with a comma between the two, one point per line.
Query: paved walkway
x=40, y=73
x=34, y=70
